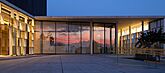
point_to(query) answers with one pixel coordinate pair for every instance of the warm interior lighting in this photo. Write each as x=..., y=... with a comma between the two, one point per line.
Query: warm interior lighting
x=125, y=31
x=5, y=22
x=2, y=21
x=146, y=26
x=28, y=28
x=4, y=56
x=20, y=26
x=32, y=30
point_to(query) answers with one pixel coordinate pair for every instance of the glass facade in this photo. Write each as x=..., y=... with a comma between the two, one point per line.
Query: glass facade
x=130, y=36
x=156, y=26
x=73, y=38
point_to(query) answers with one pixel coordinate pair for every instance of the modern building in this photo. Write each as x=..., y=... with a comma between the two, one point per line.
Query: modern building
x=16, y=30
x=22, y=33
x=92, y=34
x=34, y=7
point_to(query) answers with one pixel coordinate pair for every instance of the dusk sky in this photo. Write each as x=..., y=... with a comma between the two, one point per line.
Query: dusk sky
x=106, y=7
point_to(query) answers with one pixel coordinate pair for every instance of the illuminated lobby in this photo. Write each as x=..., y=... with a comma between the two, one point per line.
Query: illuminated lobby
x=23, y=34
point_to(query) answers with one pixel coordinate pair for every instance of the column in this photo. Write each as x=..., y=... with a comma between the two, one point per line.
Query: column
x=91, y=37
x=12, y=51
x=10, y=42
x=116, y=38
x=130, y=40
x=121, y=41
x=142, y=26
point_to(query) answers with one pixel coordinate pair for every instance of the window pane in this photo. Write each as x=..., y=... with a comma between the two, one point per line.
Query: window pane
x=61, y=37
x=37, y=42
x=113, y=39
x=85, y=39
x=48, y=37
x=98, y=38
x=74, y=38
x=107, y=40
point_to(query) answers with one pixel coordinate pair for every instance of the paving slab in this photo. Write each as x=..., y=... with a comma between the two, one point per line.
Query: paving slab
x=78, y=64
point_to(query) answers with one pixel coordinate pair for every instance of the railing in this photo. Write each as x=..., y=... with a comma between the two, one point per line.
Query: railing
x=150, y=51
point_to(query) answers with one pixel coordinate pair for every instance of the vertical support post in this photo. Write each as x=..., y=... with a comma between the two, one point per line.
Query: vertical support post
x=33, y=22
x=116, y=38
x=130, y=41
x=26, y=20
x=116, y=42
x=121, y=41
x=91, y=37
x=10, y=42
x=11, y=50
x=142, y=26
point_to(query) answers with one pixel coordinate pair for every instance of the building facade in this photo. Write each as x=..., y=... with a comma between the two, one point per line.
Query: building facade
x=16, y=30
x=34, y=7
x=94, y=35
x=22, y=33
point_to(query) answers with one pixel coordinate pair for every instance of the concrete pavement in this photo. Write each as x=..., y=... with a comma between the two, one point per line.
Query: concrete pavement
x=78, y=64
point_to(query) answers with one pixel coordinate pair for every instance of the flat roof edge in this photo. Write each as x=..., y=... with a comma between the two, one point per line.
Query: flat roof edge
x=94, y=17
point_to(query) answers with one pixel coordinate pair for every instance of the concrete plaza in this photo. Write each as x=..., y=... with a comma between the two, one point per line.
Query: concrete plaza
x=78, y=64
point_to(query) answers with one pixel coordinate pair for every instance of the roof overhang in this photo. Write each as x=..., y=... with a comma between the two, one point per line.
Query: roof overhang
x=106, y=19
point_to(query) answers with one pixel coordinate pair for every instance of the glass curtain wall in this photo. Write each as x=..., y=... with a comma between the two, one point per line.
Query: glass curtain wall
x=73, y=38
x=104, y=38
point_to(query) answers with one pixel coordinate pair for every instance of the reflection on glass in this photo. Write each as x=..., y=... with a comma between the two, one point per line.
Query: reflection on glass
x=37, y=42
x=85, y=39
x=74, y=40
x=113, y=39
x=107, y=40
x=99, y=39
x=47, y=36
x=61, y=37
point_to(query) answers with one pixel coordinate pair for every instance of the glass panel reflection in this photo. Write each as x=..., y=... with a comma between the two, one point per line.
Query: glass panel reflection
x=85, y=39
x=61, y=37
x=74, y=38
x=98, y=38
x=107, y=40
x=48, y=37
